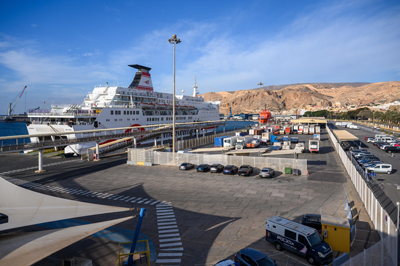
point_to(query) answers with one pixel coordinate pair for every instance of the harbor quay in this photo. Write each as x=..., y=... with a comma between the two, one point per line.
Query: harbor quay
x=192, y=218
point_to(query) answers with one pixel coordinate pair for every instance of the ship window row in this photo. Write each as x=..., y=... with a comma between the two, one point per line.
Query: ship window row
x=118, y=112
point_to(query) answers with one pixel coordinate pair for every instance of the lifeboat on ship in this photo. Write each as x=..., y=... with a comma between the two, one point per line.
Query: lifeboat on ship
x=265, y=116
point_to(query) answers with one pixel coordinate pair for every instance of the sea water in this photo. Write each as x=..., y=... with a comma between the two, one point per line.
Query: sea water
x=19, y=128
x=13, y=129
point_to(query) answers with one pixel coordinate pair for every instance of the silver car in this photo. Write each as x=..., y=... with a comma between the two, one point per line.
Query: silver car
x=267, y=172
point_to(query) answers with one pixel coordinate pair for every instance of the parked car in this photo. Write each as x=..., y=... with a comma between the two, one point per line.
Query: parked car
x=370, y=164
x=216, y=168
x=370, y=139
x=203, y=168
x=390, y=149
x=368, y=160
x=251, y=257
x=230, y=170
x=361, y=154
x=382, y=147
x=245, y=170
x=267, y=172
x=377, y=143
x=380, y=168
x=354, y=151
x=397, y=144
x=186, y=166
x=312, y=220
x=227, y=263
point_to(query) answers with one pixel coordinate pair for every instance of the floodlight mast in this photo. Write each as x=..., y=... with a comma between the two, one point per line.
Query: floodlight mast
x=173, y=41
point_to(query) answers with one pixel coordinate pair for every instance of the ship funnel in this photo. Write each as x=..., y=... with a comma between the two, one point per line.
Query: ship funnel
x=142, y=80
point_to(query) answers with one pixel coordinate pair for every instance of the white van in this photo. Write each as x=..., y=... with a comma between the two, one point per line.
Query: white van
x=298, y=238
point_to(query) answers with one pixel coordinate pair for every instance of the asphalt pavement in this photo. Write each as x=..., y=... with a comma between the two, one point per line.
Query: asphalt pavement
x=192, y=218
x=389, y=182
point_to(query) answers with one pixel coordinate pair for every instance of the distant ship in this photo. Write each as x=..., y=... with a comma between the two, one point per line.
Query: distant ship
x=113, y=107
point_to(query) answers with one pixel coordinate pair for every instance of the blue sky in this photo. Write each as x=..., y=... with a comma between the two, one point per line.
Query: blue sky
x=62, y=49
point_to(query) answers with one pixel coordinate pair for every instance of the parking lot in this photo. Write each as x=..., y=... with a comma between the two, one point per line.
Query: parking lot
x=389, y=182
x=216, y=214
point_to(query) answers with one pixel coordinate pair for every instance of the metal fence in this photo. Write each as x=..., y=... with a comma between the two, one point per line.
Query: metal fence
x=190, y=143
x=384, y=252
x=279, y=164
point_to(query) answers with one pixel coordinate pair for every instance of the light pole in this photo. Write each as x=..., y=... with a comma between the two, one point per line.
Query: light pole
x=260, y=83
x=174, y=41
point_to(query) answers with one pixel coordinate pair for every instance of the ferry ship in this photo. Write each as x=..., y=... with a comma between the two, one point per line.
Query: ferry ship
x=113, y=107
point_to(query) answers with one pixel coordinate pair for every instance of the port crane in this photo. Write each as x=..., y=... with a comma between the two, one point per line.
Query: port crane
x=230, y=108
x=11, y=109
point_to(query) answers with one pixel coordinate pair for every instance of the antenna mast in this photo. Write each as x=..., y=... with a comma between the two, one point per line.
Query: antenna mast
x=195, y=91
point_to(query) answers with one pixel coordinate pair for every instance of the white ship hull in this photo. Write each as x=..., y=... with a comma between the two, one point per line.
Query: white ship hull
x=114, y=107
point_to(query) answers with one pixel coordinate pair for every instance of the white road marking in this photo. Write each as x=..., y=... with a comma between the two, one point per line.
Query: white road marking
x=169, y=235
x=171, y=245
x=170, y=254
x=168, y=223
x=168, y=227
x=172, y=249
x=168, y=231
x=170, y=239
x=168, y=261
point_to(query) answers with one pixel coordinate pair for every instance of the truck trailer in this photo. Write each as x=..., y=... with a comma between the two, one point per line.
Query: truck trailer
x=241, y=142
x=313, y=145
x=219, y=141
x=230, y=142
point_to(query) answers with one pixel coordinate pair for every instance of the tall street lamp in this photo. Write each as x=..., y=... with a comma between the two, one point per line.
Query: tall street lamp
x=260, y=83
x=174, y=41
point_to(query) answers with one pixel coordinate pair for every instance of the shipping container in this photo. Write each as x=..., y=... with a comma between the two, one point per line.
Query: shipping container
x=296, y=127
x=305, y=130
x=241, y=134
x=258, y=131
x=265, y=136
x=287, y=130
x=219, y=141
x=301, y=128
x=274, y=138
x=285, y=138
x=317, y=130
x=311, y=130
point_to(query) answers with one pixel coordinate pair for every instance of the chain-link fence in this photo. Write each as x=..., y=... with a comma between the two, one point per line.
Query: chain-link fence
x=195, y=142
x=385, y=251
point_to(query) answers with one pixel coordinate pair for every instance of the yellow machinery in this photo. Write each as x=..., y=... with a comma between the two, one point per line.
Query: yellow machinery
x=146, y=252
x=336, y=232
x=230, y=108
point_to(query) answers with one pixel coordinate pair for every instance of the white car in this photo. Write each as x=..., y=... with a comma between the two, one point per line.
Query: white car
x=380, y=168
x=370, y=139
x=227, y=263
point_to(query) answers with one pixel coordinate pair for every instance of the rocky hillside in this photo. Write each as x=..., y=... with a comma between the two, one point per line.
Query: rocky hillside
x=302, y=95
